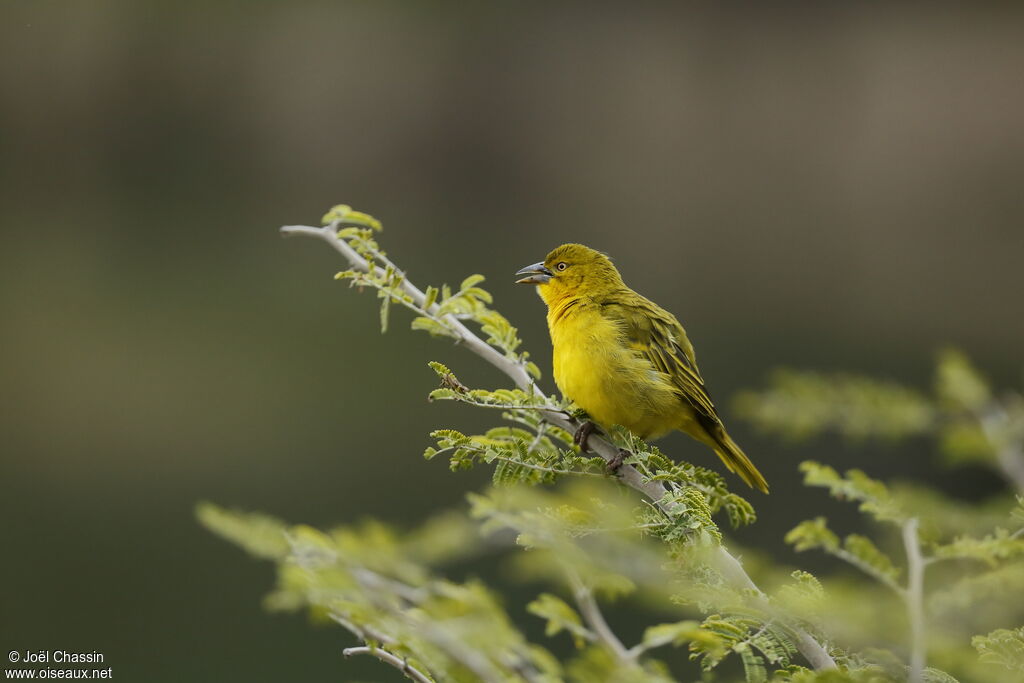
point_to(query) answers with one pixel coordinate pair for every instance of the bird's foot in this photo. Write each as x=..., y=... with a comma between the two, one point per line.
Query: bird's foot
x=615, y=463
x=582, y=434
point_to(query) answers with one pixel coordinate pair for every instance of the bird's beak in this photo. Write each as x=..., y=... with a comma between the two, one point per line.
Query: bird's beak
x=537, y=274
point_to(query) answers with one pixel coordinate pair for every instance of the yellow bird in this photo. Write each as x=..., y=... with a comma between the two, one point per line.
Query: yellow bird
x=625, y=360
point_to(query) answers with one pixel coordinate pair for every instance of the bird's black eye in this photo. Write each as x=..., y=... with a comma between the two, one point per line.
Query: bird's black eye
x=562, y=265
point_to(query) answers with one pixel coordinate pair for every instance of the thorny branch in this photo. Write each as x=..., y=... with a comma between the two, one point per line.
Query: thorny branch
x=411, y=672
x=376, y=585
x=366, y=634
x=727, y=564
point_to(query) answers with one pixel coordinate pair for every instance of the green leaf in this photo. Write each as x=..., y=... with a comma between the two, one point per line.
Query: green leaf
x=753, y=665
x=364, y=219
x=430, y=325
x=429, y=297
x=1017, y=514
x=991, y=549
x=724, y=634
x=675, y=633
x=511, y=473
x=959, y=385
x=858, y=550
x=739, y=510
x=933, y=675
x=470, y=282
x=351, y=233
x=447, y=438
x=343, y=213
x=385, y=308
x=260, y=535
x=336, y=213
x=612, y=586
x=560, y=616
x=532, y=369
x=440, y=369
x=990, y=587
x=862, y=548
x=802, y=404
x=442, y=394
x=451, y=387
x=963, y=441
x=804, y=595
x=873, y=495
x=810, y=534
x=689, y=517
x=1002, y=647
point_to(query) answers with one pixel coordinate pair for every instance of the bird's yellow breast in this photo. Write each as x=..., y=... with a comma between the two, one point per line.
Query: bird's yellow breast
x=595, y=367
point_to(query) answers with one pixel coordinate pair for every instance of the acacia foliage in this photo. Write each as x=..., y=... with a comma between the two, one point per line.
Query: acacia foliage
x=567, y=525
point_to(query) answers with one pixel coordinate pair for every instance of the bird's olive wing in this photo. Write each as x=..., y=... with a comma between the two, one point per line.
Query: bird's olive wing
x=662, y=341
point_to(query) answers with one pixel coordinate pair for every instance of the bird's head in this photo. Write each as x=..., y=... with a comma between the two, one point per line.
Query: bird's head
x=571, y=270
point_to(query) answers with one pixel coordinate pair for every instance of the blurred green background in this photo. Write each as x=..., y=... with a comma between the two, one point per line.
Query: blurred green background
x=826, y=187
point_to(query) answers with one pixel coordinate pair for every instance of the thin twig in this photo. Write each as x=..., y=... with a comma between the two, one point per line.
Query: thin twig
x=528, y=465
x=500, y=406
x=411, y=672
x=727, y=564
x=549, y=470
x=591, y=613
x=367, y=633
x=541, y=429
x=915, y=600
x=378, y=587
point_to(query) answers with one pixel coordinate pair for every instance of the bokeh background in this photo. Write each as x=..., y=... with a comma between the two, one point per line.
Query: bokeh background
x=821, y=186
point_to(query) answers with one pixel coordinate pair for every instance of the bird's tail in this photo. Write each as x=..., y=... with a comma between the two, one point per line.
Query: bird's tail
x=736, y=460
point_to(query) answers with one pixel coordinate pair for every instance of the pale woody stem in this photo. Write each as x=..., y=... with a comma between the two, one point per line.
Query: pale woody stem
x=411, y=672
x=595, y=620
x=915, y=600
